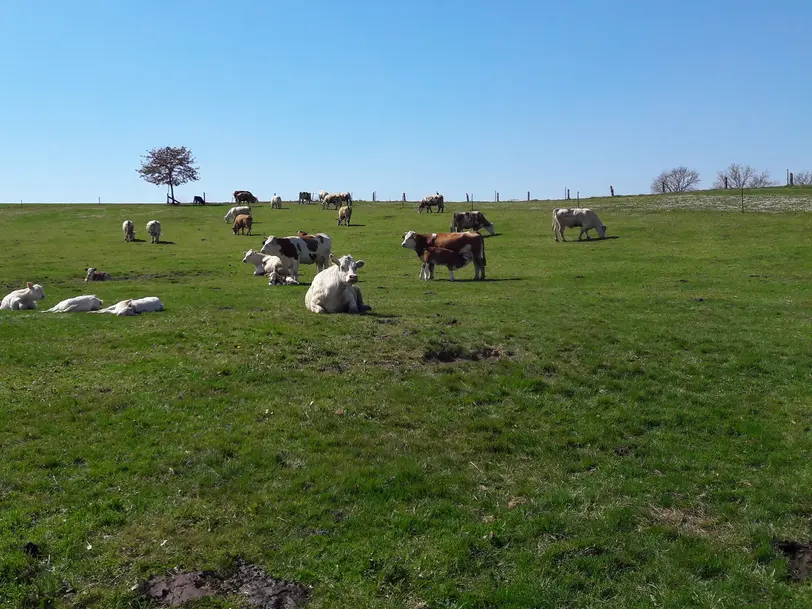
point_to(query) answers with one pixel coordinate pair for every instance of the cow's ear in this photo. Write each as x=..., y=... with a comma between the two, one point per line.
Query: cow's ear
x=29, y=285
x=335, y=260
x=359, y=264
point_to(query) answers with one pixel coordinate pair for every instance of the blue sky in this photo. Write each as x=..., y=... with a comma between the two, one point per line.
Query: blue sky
x=416, y=96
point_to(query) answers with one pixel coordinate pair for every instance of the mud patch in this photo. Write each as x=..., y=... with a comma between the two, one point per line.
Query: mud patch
x=248, y=581
x=800, y=558
x=447, y=352
x=624, y=451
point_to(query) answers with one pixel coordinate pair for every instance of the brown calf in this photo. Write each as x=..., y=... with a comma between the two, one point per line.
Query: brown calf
x=457, y=242
x=242, y=222
x=446, y=257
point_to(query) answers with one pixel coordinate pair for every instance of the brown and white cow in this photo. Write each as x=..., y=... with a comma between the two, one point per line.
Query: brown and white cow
x=307, y=249
x=456, y=242
x=446, y=257
x=94, y=275
x=470, y=220
x=570, y=217
x=430, y=200
x=244, y=196
x=242, y=222
x=333, y=199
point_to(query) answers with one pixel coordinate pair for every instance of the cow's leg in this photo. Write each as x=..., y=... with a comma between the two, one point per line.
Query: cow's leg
x=431, y=270
x=451, y=272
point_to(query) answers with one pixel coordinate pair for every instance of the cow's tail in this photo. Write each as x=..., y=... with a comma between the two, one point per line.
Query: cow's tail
x=484, y=262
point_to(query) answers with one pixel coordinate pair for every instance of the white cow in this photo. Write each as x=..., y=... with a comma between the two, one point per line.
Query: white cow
x=134, y=306
x=276, y=202
x=272, y=266
x=577, y=216
x=322, y=194
x=154, y=231
x=23, y=299
x=334, y=291
x=129, y=230
x=236, y=211
x=309, y=249
x=344, y=215
x=77, y=304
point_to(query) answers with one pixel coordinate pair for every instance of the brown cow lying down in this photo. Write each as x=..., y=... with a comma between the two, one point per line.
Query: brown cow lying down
x=242, y=222
x=456, y=242
x=94, y=275
x=448, y=258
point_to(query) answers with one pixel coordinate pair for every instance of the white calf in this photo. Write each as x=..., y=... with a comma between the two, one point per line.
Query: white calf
x=134, y=306
x=78, y=304
x=23, y=299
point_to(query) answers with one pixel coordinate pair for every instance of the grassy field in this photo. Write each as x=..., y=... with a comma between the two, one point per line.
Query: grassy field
x=617, y=423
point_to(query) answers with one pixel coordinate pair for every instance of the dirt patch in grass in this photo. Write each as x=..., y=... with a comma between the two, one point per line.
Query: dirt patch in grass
x=249, y=581
x=688, y=522
x=447, y=351
x=799, y=555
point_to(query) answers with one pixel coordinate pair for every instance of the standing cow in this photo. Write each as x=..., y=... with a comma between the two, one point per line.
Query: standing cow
x=244, y=196
x=198, y=200
x=305, y=197
x=344, y=215
x=276, y=202
x=577, y=216
x=154, y=231
x=473, y=220
x=128, y=228
x=236, y=211
x=431, y=200
x=456, y=242
x=308, y=249
x=241, y=223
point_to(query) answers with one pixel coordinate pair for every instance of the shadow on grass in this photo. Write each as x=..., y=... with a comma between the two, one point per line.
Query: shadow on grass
x=166, y=243
x=593, y=240
x=139, y=241
x=488, y=280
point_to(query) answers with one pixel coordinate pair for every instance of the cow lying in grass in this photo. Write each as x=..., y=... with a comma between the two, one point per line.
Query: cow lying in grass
x=272, y=266
x=94, y=275
x=77, y=304
x=307, y=249
x=333, y=290
x=23, y=299
x=134, y=306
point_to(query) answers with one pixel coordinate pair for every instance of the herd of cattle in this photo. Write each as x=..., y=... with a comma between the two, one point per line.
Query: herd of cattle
x=333, y=289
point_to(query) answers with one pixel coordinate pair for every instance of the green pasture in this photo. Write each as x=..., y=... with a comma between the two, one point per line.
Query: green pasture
x=615, y=423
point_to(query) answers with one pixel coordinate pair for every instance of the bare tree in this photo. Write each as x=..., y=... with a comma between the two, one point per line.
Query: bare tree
x=679, y=179
x=169, y=166
x=803, y=178
x=742, y=176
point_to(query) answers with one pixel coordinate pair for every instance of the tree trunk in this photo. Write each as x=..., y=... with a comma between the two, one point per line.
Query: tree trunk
x=172, y=193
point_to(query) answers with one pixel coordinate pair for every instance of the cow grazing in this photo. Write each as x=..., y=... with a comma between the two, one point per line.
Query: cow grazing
x=154, y=231
x=346, y=199
x=241, y=223
x=334, y=289
x=332, y=200
x=78, y=304
x=322, y=194
x=446, y=257
x=456, y=242
x=344, y=215
x=94, y=275
x=128, y=228
x=235, y=211
x=577, y=216
x=23, y=299
x=134, y=306
x=310, y=249
x=244, y=196
x=470, y=220
x=276, y=202
x=430, y=200
x=305, y=197
x=198, y=200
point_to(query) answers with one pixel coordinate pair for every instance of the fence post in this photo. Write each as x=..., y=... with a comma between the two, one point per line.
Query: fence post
x=612, y=190
x=528, y=195
x=791, y=179
x=742, y=198
x=725, y=182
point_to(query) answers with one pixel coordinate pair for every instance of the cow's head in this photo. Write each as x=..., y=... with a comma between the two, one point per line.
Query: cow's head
x=125, y=308
x=409, y=240
x=249, y=254
x=36, y=290
x=347, y=268
x=270, y=246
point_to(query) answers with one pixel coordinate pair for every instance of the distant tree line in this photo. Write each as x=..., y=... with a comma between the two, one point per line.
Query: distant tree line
x=683, y=179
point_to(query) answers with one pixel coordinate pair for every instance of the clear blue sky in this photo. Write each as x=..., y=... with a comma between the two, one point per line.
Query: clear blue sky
x=388, y=95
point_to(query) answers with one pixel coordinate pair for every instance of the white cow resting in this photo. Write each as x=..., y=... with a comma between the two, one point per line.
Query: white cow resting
x=23, y=299
x=77, y=304
x=232, y=213
x=272, y=266
x=134, y=306
x=577, y=216
x=333, y=290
